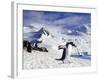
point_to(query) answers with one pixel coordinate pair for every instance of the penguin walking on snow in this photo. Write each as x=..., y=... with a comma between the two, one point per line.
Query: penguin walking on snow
x=65, y=51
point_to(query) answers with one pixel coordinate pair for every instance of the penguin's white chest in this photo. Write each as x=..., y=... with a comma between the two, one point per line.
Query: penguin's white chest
x=69, y=49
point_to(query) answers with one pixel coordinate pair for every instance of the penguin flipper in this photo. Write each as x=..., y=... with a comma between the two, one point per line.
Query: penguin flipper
x=58, y=59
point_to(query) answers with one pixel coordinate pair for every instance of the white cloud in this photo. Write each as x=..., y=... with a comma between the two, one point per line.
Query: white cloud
x=70, y=20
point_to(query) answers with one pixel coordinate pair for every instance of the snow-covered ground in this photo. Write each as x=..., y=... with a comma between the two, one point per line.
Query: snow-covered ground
x=43, y=60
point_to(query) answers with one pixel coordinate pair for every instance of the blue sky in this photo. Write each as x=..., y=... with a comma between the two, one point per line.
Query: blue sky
x=63, y=19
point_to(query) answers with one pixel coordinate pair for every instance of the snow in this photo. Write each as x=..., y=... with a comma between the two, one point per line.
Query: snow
x=40, y=60
x=45, y=60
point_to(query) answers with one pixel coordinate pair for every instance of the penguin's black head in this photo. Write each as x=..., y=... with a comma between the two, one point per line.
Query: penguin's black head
x=71, y=43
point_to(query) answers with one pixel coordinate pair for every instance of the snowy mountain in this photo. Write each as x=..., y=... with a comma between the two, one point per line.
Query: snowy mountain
x=77, y=29
x=53, y=37
x=35, y=36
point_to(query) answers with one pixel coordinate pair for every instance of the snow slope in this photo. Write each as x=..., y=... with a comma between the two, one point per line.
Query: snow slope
x=37, y=59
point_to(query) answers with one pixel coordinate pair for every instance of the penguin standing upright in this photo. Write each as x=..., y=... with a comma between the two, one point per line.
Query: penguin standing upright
x=65, y=51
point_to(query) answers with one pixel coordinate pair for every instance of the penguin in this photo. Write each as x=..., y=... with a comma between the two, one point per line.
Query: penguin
x=64, y=54
x=65, y=51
